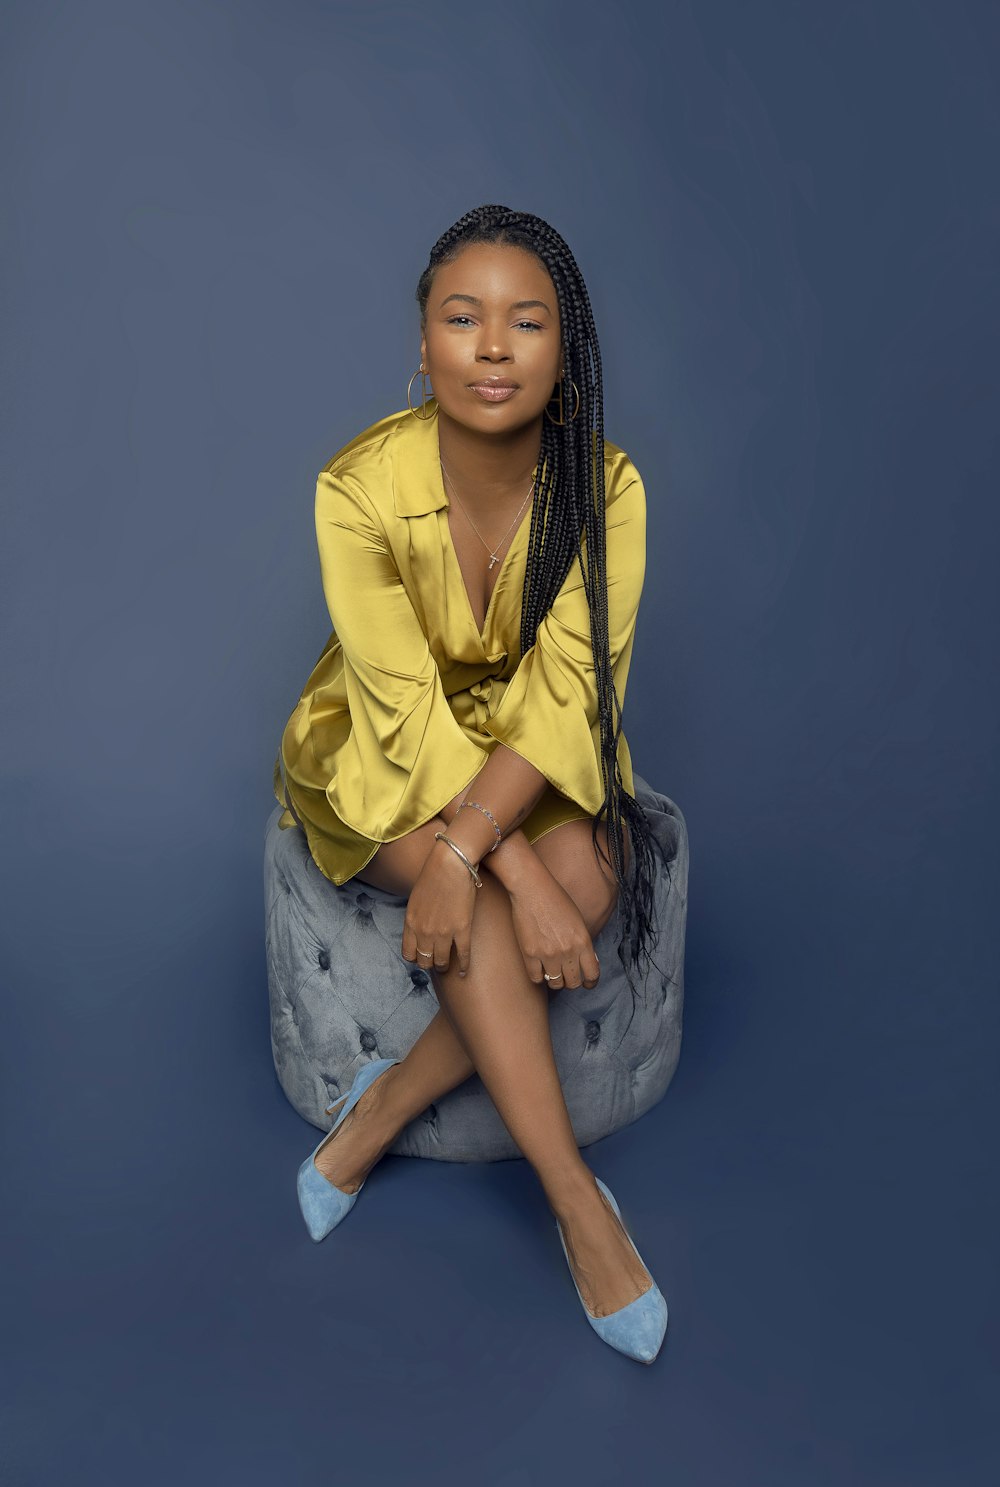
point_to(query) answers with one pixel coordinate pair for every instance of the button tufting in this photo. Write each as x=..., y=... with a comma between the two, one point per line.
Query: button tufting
x=324, y=959
x=365, y=903
x=368, y=1041
x=419, y=978
x=593, y=1031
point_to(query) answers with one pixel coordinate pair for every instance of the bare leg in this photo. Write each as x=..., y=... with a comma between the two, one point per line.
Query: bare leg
x=436, y=1063
x=438, y=1060
x=495, y=1021
x=502, y=1018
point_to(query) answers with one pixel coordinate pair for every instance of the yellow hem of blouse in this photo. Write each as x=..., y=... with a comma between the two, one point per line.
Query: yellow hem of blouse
x=380, y=841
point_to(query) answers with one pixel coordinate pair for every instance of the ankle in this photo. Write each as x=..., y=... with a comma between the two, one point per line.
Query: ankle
x=573, y=1194
x=386, y=1111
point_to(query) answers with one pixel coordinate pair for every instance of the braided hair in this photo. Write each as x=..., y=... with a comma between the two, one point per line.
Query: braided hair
x=570, y=497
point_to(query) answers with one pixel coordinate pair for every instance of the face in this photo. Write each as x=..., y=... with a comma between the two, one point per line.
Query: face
x=492, y=313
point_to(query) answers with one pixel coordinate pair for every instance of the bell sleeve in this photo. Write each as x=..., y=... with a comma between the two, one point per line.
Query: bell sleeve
x=549, y=712
x=406, y=755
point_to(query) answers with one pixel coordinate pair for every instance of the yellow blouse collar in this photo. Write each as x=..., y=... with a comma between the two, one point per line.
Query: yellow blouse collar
x=417, y=486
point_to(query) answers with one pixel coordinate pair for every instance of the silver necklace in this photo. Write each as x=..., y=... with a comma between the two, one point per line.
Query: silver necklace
x=494, y=553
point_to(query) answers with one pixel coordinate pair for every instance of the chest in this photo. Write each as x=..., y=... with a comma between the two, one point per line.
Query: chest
x=479, y=567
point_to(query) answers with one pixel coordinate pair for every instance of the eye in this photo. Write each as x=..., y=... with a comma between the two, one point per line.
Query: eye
x=531, y=324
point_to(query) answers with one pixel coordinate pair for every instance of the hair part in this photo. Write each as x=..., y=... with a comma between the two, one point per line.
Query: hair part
x=569, y=502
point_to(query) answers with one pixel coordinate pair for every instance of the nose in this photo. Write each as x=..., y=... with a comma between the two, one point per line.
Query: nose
x=493, y=344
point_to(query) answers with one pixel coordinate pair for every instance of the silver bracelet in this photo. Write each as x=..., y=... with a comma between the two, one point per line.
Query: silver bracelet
x=485, y=812
x=439, y=836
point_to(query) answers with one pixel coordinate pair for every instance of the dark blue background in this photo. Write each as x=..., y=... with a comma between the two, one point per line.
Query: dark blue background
x=215, y=218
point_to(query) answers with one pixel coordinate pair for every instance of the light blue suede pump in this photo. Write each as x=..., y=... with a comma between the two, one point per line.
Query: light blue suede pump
x=323, y=1205
x=636, y=1329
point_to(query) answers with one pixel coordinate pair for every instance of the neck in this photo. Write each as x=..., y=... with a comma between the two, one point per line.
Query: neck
x=490, y=471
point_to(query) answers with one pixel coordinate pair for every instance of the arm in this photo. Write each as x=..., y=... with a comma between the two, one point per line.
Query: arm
x=549, y=712
x=547, y=725
x=548, y=925
x=510, y=787
x=406, y=751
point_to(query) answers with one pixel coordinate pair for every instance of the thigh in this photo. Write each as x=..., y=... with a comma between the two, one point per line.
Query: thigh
x=397, y=865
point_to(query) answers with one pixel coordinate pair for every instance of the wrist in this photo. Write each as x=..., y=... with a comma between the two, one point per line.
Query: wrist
x=458, y=855
x=467, y=835
x=515, y=862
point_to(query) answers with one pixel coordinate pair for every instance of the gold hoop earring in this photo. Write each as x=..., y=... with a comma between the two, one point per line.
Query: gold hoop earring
x=423, y=393
x=562, y=412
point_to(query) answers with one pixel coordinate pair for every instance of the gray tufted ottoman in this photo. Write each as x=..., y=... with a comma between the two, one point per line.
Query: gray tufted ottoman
x=341, y=994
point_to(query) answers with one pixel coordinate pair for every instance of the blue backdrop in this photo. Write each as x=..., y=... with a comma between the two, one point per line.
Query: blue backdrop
x=215, y=218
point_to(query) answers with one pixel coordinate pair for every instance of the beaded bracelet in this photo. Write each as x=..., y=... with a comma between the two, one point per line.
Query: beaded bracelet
x=485, y=812
x=439, y=836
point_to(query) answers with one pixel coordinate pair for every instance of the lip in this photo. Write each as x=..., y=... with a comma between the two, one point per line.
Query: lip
x=494, y=391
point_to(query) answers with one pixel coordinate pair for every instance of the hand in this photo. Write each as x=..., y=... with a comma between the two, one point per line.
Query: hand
x=439, y=912
x=551, y=933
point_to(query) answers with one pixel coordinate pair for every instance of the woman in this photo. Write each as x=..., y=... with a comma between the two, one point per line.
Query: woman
x=482, y=558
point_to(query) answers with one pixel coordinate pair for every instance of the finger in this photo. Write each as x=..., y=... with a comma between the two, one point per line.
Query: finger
x=408, y=949
x=554, y=979
x=535, y=969
x=590, y=967
x=571, y=973
x=463, y=949
x=442, y=954
x=422, y=954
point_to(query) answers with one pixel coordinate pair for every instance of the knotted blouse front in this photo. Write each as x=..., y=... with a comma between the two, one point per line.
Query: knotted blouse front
x=409, y=696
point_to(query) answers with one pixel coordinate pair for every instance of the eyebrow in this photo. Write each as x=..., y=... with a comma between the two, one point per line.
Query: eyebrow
x=519, y=304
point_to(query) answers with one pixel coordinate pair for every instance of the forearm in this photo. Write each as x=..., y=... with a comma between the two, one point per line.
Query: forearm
x=509, y=787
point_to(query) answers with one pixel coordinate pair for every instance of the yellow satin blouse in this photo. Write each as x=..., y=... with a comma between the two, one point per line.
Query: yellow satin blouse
x=409, y=697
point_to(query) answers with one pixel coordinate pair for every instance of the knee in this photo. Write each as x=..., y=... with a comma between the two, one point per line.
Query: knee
x=571, y=858
x=599, y=910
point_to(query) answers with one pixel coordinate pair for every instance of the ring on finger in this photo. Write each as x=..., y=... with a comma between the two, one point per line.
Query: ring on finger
x=556, y=977
x=428, y=953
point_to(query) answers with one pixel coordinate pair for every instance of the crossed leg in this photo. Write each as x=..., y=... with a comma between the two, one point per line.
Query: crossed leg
x=495, y=1021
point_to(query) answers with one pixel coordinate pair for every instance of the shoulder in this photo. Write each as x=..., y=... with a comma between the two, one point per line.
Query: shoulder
x=621, y=477
x=365, y=464
x=367, y=449
x=366, y=460
x=362, y=469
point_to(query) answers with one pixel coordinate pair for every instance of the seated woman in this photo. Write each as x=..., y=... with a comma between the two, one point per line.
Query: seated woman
x=459, y=741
